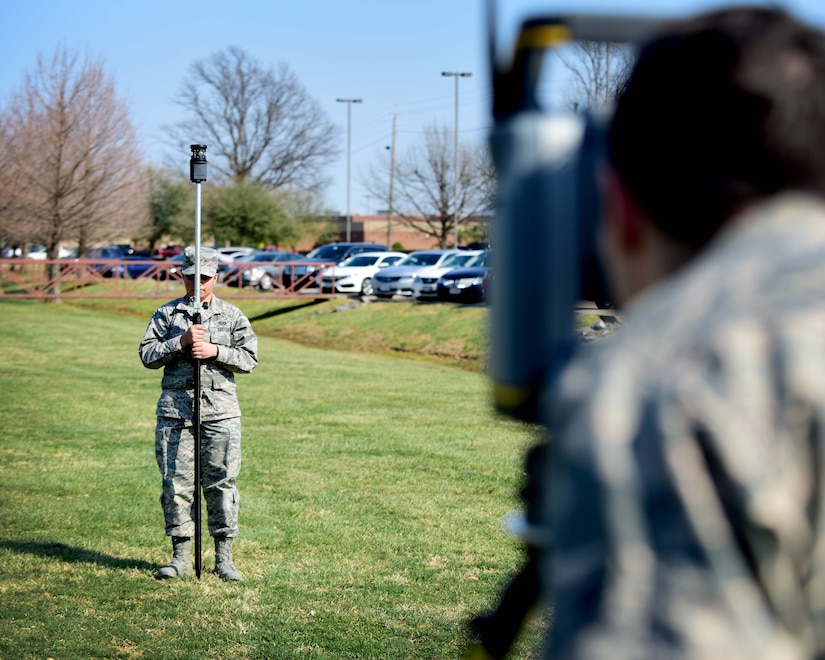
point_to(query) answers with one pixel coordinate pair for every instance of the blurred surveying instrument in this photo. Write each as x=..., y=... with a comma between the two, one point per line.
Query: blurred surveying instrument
x=545, y=237
x=547, y=209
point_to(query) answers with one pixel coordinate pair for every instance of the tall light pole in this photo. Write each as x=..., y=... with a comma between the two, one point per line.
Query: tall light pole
x=392, y=178
x=456, y=75
x=349, y=103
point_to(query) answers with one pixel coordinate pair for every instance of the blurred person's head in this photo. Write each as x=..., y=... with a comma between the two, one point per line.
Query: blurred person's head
x=719, y=112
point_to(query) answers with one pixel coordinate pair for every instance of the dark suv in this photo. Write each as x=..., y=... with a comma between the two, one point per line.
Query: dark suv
x=337, y=252
x=112, y=252
x=329, y=253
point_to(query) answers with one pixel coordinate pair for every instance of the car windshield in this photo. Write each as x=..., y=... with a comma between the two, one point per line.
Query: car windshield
x=327, y=252
x=359, y=261
x=456, y=260
x=420, y=259
x=278, y=256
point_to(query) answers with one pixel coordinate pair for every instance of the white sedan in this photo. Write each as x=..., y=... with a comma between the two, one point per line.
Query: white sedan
x=424, y=284
x=355, y=274
x=398, y=279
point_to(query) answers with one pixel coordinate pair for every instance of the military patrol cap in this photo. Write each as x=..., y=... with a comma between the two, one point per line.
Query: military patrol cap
x=209, y=261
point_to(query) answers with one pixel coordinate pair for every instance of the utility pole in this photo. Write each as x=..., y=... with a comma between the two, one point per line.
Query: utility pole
x=349, y=103
x=392, y=179
x=456, y=75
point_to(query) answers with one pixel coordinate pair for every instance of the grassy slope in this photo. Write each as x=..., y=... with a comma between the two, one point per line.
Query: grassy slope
x=372, y=491
x=445, y=333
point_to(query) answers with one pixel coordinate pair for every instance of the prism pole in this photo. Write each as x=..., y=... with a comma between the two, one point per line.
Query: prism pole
x=197, y=174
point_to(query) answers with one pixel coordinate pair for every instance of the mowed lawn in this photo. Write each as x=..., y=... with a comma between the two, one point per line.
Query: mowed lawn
x=372, y=493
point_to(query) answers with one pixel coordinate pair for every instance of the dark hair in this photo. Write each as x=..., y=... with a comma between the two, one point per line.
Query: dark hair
x=721, y=110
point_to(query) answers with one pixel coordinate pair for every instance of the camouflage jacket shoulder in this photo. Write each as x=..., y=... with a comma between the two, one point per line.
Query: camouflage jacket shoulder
x=685, y=478
x=228, y=328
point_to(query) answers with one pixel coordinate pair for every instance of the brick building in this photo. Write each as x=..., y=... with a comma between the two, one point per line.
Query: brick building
x=373, y=229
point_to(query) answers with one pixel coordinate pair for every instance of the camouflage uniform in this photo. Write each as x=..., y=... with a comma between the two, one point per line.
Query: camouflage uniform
x=685, y=487
x=227, y=327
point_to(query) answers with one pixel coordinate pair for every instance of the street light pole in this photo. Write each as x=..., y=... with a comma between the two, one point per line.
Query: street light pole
x=349, y=103
x=456, y=75
x=392, y=178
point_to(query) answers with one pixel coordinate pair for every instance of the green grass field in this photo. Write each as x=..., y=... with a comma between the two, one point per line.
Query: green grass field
x=372, y=492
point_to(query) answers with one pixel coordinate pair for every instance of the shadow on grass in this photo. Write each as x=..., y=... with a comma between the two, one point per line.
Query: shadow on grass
x=285, y=310
x=73, y=554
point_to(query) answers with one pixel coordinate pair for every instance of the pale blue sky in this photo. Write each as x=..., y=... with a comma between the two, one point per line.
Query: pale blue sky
x=390, y=53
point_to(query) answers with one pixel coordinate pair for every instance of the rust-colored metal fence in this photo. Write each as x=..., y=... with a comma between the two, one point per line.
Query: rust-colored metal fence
x=148, y=278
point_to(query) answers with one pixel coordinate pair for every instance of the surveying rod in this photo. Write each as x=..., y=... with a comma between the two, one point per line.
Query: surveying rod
x=197, y=175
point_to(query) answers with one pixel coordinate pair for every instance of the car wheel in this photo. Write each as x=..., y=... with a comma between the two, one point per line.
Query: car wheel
x=265, y=283
x=366, y=287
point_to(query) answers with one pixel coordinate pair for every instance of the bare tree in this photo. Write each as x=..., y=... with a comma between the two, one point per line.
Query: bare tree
x=69, y=168
x=424, y=196
x=171, y=208
x=260, y=124
x=487, y=175
x=599, y=70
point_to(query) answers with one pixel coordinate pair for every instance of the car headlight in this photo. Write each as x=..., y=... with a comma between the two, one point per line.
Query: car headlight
x=449, y=282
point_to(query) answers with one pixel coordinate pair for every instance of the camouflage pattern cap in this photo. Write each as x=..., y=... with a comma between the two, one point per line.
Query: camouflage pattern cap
x=209, y=261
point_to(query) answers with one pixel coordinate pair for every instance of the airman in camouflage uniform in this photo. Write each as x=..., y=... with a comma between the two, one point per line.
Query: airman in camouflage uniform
x=225, y=344
x=685, y=489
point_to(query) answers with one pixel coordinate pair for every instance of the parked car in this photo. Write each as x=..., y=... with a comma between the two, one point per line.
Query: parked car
x=265, y=277
x=169, y=251
x=107, y=252
x=333, y=253
x=165, y=269
x=113, y=252
x=142, y=266
x=354, y=275
x=424, y=284
x=398, y=279
x=232, y=273
x=468, y=284
x=175, y=270
x=337, y=252
x=228, y=254
x=39, y=252
x=267, y=269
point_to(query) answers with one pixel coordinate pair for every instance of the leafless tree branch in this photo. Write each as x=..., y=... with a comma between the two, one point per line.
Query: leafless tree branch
x=259, y=123
x=424, y=178
x=69, y=169
x=598, y=69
